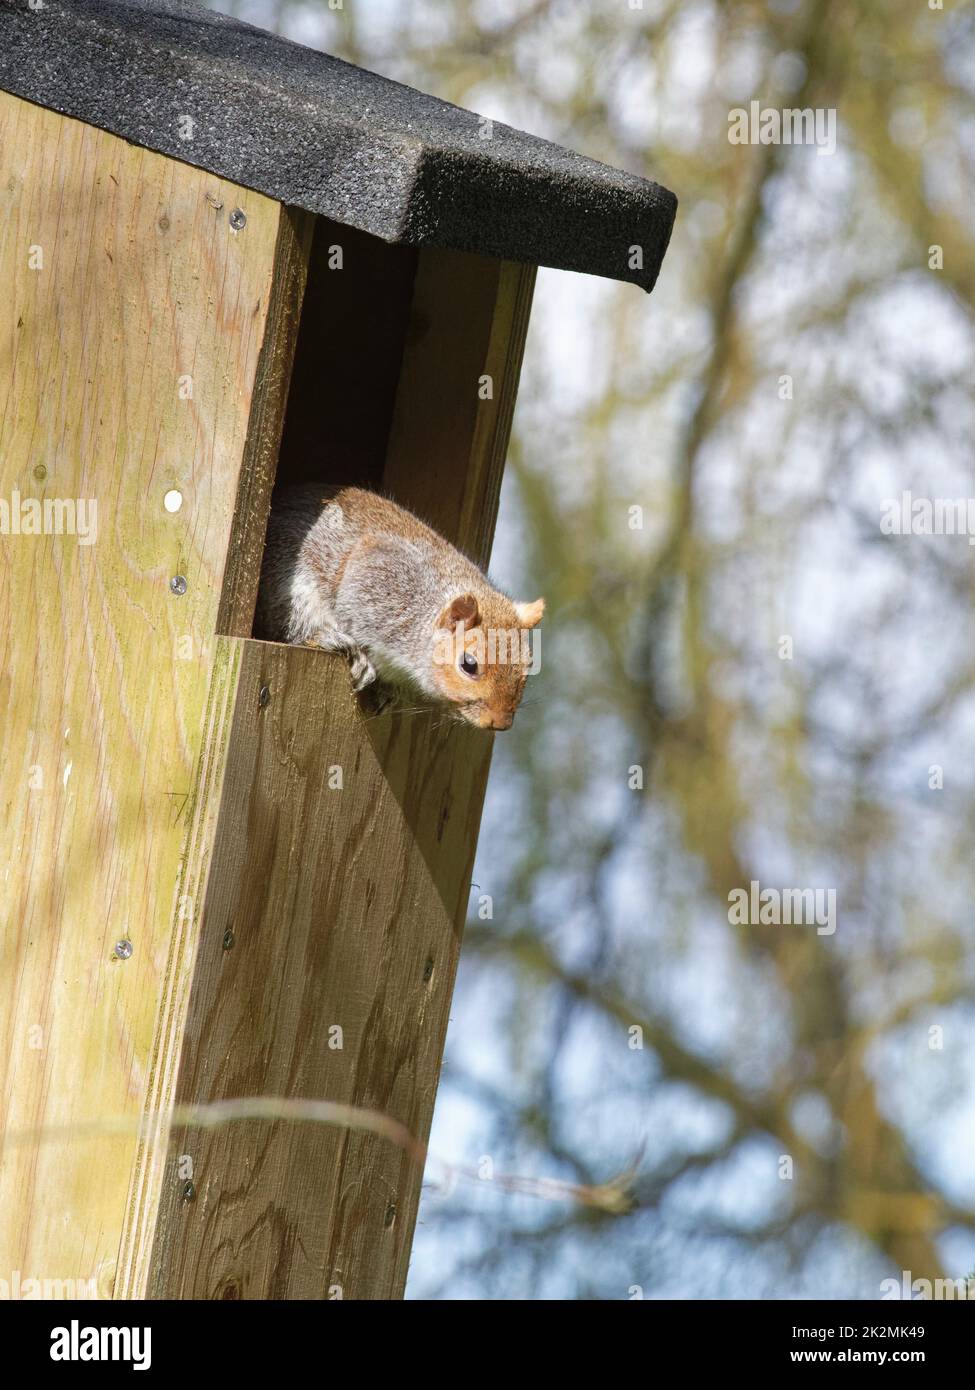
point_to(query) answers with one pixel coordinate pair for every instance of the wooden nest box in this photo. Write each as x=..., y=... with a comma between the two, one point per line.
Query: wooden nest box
x=229, y=261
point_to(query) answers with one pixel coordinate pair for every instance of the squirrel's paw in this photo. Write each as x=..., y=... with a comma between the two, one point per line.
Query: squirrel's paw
x=362, y=671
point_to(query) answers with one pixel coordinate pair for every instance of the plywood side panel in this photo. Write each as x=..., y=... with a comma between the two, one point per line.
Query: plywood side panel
x=132, y=328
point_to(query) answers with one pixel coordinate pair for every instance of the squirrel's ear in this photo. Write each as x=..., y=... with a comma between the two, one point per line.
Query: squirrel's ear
x=530, y=614
x=462, y=610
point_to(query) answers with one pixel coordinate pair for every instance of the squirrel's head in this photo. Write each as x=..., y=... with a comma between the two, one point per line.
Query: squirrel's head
x=482, y=656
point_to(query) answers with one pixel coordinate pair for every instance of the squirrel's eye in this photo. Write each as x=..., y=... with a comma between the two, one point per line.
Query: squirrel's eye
x=468, y=665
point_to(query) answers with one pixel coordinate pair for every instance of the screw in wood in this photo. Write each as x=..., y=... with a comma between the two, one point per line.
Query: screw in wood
x=123, y=949
x=189, y=1192
x=264, y=697
x=178, y=584
x=238, y=220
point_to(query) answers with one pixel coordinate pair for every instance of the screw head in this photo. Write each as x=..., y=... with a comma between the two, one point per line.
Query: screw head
x=178, y=584
x=228, y=938
x=264, y=697
x=238, y=220
x=40, y=472
x=124, y=949
x=189, y=1192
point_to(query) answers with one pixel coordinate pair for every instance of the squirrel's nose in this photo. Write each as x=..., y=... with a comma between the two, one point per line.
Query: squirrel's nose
x=502, y=721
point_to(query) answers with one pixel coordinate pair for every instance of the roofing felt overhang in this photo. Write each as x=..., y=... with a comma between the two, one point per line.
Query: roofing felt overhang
x=334, y=139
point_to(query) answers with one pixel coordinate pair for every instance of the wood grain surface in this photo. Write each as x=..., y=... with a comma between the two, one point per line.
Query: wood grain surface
x=132, y=323
x=342, y=908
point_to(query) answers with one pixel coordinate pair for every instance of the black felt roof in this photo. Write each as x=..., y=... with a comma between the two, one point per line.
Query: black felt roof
x=311, y=130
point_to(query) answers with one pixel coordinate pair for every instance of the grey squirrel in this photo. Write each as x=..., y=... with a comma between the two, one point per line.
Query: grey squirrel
x=352, y=572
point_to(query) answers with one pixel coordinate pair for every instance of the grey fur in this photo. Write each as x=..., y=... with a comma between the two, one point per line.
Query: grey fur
x=370, y=588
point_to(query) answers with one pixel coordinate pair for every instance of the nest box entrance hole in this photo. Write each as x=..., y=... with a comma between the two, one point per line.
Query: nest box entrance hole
x=354, y=322
x=404, y=374
x=344, y=338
